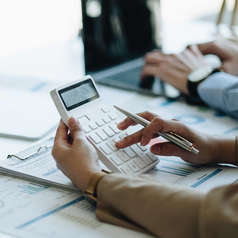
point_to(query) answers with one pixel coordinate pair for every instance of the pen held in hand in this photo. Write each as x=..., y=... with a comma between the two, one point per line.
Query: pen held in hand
x=171, y=136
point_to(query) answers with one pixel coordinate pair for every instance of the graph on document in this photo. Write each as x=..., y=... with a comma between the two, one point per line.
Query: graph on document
x=208, y=177
x=32, y=188
x=172, y=169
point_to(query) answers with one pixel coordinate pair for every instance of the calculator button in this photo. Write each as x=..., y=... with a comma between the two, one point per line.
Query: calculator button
x=105, y=109
x=93, y=125
x=122, y=155
x=99, y=122
x=141, y=154
x=141, y=164
x=94, y=138
x=113, y=116
x=105, y=149
x=143, y=148
x=123, y=135
x=112, y=146
x=133, y=166
x=83, y=120
x=152, y=156
x=116, y=159
x=129, y=152
x=108, y=131
x=86, y=128
x=106, y=119
x=101, y=134
x=146, y=159
x=114, y=128
x=116, y=138
x=126, y=170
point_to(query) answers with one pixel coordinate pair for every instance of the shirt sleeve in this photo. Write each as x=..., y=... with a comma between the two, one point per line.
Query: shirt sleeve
x=143, y=203
x=220, y=90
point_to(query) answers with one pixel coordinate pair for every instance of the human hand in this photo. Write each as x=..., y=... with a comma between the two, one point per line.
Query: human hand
x=75, y=156
x=226, y=50
x=212, y=149
x=174, y=68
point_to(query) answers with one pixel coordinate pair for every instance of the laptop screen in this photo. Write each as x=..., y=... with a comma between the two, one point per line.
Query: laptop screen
x=115, y=31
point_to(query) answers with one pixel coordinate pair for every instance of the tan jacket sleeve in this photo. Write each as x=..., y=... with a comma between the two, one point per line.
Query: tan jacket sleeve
x=143, y=203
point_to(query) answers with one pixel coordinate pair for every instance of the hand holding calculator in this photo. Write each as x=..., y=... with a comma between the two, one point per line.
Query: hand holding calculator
x=80, y=99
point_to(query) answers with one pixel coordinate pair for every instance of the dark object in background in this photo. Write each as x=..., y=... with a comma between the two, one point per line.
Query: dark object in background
x=117, y=34
x=147, y=82
x=115, y=31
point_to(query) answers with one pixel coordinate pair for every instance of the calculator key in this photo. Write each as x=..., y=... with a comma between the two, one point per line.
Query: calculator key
x=114, y=128
x=116, y=159
x=105, y=149
x=129, y=152
x=116, y=138
x=86, y=128
x=95, y=138
x=123, y=135
x=126, y=170
x=99, y=122
x=101, y=134
x=146, y=159
x=133, y=166
x=105, y=109
x=122, y=155
x=83, y=119
x=143, y=148
x=108, y=131
x=93, y=125
x=106, y=119
x=113, y=116
x=152, y=156
x=112, y=146
x=141, y=164
x=141, y=154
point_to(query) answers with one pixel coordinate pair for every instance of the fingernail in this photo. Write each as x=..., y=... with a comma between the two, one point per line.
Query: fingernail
x=121, y=123
x=121, y=141
x=142, y=142
x=155, y=150
x=72, y=122
x=158, y=149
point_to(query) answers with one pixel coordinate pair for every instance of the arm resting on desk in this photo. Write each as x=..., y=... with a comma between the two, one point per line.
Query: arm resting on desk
x=220, y=91
x=167, y=211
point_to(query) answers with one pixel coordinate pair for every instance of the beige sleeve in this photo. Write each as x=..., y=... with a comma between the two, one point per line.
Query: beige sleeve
x=142, y=203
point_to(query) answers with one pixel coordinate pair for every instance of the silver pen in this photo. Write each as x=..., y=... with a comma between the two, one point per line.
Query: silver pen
x=171, y=136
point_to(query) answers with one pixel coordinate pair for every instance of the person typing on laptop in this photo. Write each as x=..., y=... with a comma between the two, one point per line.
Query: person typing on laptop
x=143, y=203
x=194, y=77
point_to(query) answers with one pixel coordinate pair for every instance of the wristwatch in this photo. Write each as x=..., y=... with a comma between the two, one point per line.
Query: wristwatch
x=91, y=191
x=196, y=77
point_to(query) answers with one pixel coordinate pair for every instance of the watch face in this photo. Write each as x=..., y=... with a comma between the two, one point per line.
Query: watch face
x=200, y=73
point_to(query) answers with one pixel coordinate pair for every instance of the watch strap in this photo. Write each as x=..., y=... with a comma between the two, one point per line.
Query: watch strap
x=192, y=86
x=91, y=190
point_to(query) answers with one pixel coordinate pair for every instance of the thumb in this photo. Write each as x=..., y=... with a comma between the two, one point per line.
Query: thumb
x=76, y=130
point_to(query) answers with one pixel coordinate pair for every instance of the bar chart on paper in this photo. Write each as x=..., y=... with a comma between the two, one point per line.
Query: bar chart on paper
x=210, y=177
x=171, y=170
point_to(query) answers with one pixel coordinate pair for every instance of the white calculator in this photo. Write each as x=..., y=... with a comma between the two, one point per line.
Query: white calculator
x=80, y=99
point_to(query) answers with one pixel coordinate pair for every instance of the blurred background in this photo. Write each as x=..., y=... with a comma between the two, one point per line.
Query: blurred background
x=28, y=24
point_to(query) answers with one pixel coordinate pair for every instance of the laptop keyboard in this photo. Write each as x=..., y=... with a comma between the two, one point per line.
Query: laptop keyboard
x=131, y=76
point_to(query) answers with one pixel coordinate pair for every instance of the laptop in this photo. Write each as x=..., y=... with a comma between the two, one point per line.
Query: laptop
x=116, y=35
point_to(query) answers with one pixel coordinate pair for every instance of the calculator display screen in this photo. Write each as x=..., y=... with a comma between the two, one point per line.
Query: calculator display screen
x=78, y=94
